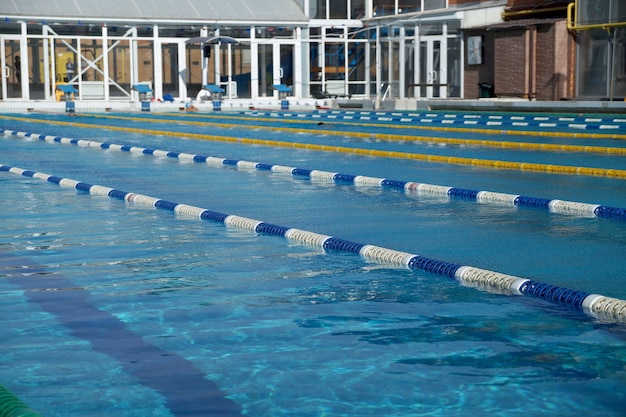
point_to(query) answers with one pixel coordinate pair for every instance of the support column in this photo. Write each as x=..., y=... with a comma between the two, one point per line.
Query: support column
x=401, y=59
x=254, y=64
x=105, y=60
x=158, y=62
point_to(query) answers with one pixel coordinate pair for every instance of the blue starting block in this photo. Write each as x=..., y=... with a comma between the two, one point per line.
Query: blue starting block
x=215, y=90
x=216, y=95
x=145, y=93
x=283, y=90
x=68, y=92
x=67, y=88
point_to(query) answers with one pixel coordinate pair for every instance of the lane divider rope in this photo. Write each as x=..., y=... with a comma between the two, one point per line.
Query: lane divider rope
x=409, y=115
x=455, y=160
x=578, y=123
x=606, y=309
x=469, y=125
x=410, y=188
x=390, y=137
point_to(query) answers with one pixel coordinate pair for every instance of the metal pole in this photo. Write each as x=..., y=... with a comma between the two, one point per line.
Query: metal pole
x=613, y=65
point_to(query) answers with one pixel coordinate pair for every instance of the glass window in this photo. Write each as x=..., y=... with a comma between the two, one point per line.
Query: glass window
x=119, y=67
x=65, y=59
x=334, y=58
x=144, y=31
x=75, y=30
x=317, y=9
x=265, y=79
x=454, y=67
x=618, y=13
x=236, y=32
x=619, y=83
x=241, y=77
x=356, y=61
x=338, y=9
x=372, y=75
x=316, y=64
x=193, y=64
x=91, y=61
x=434, y=4
x=454, y=26
x=36, y=70
x=357, y=9
x=8, y=28
x=435, y=28
x=383, y=8
x=602, y=70
x=268, y=32
x=32, y=29
x=592, y=12
x=176, y=32
x=593, y=62
x=409, y=6
x=145, y=62
x=12, y=70
x=170, y=68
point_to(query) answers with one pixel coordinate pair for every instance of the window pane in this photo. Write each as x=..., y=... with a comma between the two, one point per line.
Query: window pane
x=593, y=63
x=338, y=9
x=357, y=9
x=409, y=6
x=317, y=9
x=119, y=68
x=454, y=67
x=434, y=4
x=383, y=8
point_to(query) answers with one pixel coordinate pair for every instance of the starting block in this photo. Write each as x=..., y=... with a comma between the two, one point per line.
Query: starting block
x=145, y=93
x=68, y=92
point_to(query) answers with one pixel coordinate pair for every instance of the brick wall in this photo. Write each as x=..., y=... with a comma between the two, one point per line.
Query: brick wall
x=533, y=62
x=512, y=65
x=547, y=79
x=483, y=73
x=553, y=56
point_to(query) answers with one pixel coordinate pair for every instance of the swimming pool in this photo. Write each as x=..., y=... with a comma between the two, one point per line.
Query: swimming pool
x=145, y=312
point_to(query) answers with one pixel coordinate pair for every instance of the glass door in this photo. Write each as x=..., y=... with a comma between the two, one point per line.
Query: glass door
x=171, y=70
x=11, y=63
x=409, y=69
x=266, y=70
x=432, y=81
x=282, y=65
x=275, y=67
x=172, y=77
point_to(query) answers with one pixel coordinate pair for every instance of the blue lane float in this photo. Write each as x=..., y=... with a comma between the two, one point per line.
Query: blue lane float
x=605, y=309
x=572, y=208
x=609, y=124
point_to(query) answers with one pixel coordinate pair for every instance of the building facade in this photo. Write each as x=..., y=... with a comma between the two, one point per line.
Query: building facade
x=373, y=49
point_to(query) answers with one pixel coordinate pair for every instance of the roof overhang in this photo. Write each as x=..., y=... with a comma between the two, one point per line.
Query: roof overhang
x=157, y=12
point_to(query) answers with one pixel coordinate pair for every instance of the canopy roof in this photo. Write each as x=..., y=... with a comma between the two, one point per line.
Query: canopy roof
x=172, y=11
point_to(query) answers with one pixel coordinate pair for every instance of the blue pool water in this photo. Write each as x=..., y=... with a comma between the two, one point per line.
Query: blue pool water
x=113, y=308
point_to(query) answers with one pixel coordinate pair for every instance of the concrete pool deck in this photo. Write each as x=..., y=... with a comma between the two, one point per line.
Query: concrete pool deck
x=471, y=105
